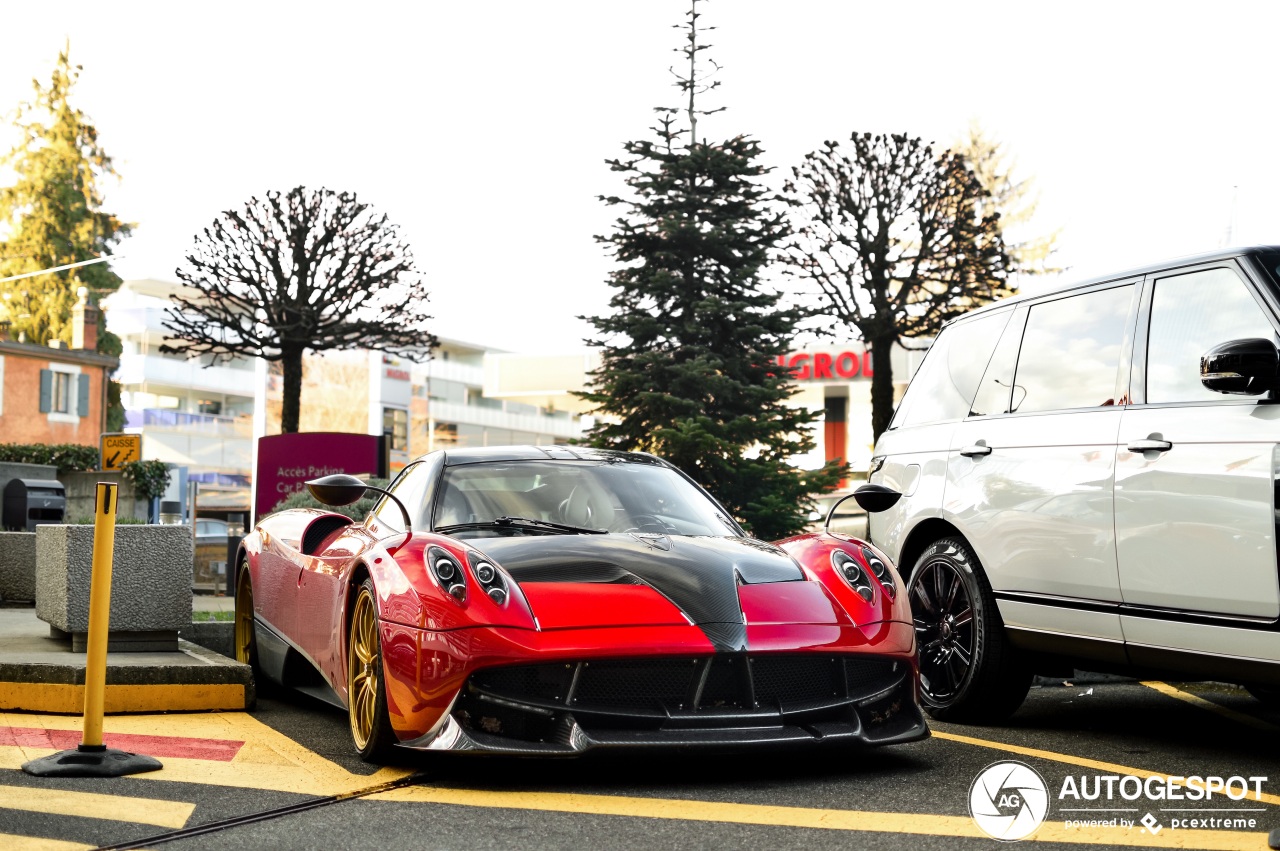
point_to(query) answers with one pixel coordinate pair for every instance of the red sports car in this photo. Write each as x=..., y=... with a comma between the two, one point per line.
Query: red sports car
x=558, y=600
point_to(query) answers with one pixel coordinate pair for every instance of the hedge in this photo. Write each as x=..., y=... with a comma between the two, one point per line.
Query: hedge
x=67, y=457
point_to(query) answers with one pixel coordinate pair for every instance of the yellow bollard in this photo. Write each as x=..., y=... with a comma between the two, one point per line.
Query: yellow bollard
x=95, y=674
x=93, y=758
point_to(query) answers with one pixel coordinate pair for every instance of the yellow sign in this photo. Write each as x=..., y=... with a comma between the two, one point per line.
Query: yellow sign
x=119, y=449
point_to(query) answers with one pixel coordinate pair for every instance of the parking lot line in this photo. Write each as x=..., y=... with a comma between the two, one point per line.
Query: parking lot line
x=1197, y=700
x=263, y=758
x=14, y=842
x=919, y=824
x=92, y=805
x=1083, y=762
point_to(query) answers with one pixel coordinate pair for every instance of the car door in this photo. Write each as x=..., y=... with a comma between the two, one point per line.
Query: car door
x=1030, y=472
x=912, y=453
x=1195, y=469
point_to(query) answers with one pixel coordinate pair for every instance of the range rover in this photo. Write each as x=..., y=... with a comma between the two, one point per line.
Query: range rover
x=1090, y=480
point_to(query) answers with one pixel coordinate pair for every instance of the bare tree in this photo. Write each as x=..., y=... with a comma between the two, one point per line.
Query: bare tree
x=295, y=271
x=896, y=239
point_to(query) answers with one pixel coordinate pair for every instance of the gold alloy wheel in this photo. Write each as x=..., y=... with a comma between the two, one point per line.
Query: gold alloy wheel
x=244, y=617
x=363, y=670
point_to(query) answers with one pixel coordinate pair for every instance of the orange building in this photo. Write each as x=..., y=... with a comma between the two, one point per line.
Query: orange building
x=55, y=395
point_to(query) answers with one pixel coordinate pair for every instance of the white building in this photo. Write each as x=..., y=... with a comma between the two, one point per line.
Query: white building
x=206, y=417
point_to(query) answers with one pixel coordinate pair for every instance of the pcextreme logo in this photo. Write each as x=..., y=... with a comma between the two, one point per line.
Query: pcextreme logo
x=1008, y=800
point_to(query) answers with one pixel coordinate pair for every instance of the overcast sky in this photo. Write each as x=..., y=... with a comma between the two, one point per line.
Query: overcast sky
x=481, y=128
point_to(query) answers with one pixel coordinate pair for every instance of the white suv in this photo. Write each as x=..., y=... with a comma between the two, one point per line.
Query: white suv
x=1090, y=479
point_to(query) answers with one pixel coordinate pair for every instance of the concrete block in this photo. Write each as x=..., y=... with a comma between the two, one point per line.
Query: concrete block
x=150, y=586
x=17, y=566
x=218, y=636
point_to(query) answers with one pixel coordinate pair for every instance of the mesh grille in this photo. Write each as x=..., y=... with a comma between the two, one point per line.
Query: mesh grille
x=648, y=683
x=539, y=682
x=795, y=679
x=868, y=676
x=724, y=688
x=657, y=686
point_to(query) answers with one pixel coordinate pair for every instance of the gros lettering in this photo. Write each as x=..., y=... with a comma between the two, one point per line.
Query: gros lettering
x=826, y=366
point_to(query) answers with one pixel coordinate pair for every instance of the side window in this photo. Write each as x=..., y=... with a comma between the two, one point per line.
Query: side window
x=995, y=393
x=1071, y=351
x=410, y=486
x=944, y=386
x=1191, y=314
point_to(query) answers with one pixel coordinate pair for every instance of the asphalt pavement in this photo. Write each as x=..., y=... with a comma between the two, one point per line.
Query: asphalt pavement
x=291, y=752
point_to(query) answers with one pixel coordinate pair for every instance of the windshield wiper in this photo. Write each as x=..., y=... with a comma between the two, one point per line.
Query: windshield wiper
x=529, y=523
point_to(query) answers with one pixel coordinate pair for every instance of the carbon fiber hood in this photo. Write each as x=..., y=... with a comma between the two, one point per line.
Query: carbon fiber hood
x=700, y=575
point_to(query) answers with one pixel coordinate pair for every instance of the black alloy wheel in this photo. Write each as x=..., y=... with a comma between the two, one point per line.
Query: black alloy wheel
x=968, y=670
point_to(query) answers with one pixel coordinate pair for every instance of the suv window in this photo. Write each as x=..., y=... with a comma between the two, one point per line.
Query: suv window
x=1191, y=314
x=944, y=386
x=995, y=392
x=1071, y=351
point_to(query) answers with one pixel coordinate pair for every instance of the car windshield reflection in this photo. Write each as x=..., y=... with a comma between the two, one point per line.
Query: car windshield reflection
x=587, y=496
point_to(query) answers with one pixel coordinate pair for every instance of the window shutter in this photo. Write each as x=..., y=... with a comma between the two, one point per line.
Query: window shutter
x=82, y=388
x=46, y=391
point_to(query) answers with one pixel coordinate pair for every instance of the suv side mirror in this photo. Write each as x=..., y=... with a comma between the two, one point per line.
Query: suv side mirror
x=1241, y=367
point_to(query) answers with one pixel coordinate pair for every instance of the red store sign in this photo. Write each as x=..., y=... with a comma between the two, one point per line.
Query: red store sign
x=827, y=366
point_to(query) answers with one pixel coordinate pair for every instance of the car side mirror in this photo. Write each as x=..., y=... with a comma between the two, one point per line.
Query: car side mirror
x=341, y=489
x=1241, y=367
x=871, y=498
x=875, y=498
x=338, y=489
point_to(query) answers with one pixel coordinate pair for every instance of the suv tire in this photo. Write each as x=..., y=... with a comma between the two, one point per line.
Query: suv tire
x=968, y=670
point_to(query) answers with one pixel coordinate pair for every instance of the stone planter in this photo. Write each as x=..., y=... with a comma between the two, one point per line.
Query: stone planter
x=150, y=584
x=17, y=567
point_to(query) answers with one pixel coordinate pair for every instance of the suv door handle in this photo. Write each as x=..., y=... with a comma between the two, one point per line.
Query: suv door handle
x=1150, y=445
x=976, y=450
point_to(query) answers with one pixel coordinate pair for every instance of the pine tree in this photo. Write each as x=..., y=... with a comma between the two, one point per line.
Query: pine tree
x=690, y=344
x=52, y=215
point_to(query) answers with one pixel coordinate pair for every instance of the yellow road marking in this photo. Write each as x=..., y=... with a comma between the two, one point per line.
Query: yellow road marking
x=268, y=760
x=13, y=842
x=1196, y=700
x=868, y=822
x=92, y=805
x=1083, y=762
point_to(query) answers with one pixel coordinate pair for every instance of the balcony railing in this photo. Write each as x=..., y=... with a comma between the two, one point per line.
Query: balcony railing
x=182, y=422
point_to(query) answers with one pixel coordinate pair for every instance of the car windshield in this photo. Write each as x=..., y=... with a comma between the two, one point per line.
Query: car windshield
x=580, y=495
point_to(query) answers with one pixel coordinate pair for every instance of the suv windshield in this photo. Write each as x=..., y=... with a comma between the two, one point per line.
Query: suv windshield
x=574, y=495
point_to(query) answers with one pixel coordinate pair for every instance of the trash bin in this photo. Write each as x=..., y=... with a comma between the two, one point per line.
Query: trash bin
x=28, y=502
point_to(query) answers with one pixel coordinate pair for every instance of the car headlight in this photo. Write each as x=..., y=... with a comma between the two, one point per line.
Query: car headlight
x=881, y=571
x=445, y=568
x=848, y=567
x=489, y=577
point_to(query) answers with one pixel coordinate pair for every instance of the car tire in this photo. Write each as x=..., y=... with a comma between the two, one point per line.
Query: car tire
x=370, y=722
x=968, y=670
